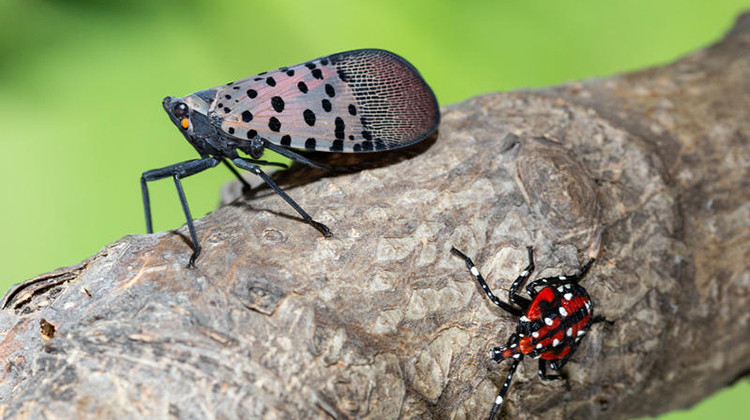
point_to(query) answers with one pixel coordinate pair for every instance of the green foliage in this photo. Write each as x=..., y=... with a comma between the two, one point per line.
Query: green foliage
x=81, y=85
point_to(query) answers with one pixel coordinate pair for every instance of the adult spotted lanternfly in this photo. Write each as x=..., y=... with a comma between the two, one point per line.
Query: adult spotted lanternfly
x=355, y=101
x=550, y=325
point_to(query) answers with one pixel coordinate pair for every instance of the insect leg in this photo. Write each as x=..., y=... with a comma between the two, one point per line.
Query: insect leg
x=559, y=280
x=248, y=166
x=189, y=218
x=246, y=187
x=512, y=295
x=176, y=171
x=478, y=276
x=317, y=165
x=504, y=389
x=547, y=377
x=543, y=372
x=299, y=158
x=582, y=271
x=597, y=319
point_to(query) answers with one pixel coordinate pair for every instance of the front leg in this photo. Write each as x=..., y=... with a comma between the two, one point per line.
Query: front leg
x=512, y=295
x=531, y=288
x=478, y=276
x=177, y=172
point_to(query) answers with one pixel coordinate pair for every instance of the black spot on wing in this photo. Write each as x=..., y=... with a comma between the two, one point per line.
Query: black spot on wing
x=274, y=124
x=309, y=117
x=340, y=126
x=330, y=91
x=277, y=103
x=337, y=146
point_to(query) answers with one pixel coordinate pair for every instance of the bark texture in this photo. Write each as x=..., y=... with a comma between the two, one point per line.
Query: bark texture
x=380, y=321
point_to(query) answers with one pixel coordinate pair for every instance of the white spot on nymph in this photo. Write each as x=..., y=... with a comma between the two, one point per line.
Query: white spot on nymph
x=562, y=278
x=535, y=334
x=514, y=345
x=581, y=332
x=520, y=335
x=588, y=304
x=569, y=332
x=524, y=319
x=568, y=296
x=563, y=312
x=474, y=271
x=516, y=356
x=560, y=289
x=539, y=346
x=567, y=286
x=578, y=339
x=499, y=400
x=548, y=321
x=524, y=273
x=555, y=343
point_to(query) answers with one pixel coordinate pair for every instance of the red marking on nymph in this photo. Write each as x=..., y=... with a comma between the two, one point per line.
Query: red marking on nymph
x=545, y=295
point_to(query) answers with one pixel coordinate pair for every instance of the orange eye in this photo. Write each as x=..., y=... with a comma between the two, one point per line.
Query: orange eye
x=185, y=123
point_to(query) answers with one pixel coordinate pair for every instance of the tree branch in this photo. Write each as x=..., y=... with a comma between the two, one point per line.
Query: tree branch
x=381, y=321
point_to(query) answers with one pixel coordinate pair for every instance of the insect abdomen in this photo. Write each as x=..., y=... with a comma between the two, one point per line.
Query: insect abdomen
x=555, y=322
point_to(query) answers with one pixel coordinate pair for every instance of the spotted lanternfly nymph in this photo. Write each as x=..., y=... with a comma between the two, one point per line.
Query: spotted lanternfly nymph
x=351, y=102
x=550, y=325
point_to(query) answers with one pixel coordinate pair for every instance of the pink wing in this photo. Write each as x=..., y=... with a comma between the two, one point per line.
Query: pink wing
x=355, y=101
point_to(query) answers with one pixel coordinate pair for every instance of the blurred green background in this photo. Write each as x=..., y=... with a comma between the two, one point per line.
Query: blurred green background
x=81, y=84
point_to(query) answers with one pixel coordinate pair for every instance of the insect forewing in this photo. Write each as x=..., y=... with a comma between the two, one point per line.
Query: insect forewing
x=355, y=101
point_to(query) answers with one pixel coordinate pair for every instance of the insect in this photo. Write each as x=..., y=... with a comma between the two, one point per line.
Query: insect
x=550, y=325
x=351, y=102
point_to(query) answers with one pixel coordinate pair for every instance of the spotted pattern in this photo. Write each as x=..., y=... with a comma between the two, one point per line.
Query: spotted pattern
x=548, y=319
x=356, y=101
x=550, y=325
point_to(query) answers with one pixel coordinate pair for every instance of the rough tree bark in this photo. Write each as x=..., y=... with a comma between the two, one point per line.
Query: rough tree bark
x=380, y=321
